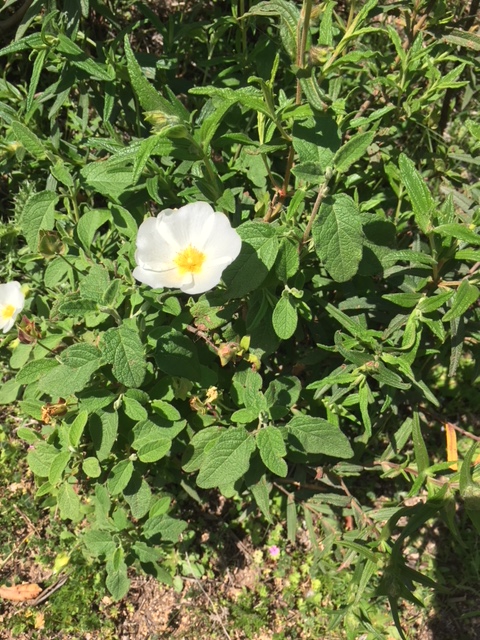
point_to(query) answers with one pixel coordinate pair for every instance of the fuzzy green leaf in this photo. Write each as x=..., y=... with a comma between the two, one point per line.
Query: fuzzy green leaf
x=272, y=449
x=418, y=192
x=38, y=215
x=337, y=234
x=316, y=435
x=34, y=370
x=120, y=476
x=257, y=256
x=29, y=140
x=284, y=318
x=352, y=151
x=77, y=427
x=227, y=460
x=91, y=468
x=68, y=503
x=466, y=295
x=99, y=543
x=88, y=225
x=122, y=347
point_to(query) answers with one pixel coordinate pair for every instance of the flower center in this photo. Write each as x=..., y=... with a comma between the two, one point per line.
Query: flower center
x=7, y=311
x=190, y=260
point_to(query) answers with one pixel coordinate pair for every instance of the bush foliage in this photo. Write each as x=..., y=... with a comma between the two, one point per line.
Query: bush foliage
x=338, y=142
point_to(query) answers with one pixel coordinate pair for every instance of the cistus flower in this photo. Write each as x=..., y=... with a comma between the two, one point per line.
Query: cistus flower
x=12, y=301
x=186, y=248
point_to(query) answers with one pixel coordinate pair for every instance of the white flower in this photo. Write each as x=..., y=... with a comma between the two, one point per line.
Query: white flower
x=12, y=301
x=187, y=248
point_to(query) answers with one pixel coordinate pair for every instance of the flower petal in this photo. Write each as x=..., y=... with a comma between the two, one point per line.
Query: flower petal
x=157, y=279
x=11, y=296
x=152, y=248
x=223, y=240
x=191, y=224
x=204, y=281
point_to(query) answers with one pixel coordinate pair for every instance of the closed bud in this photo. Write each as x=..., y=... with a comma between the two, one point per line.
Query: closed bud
x=317, y=56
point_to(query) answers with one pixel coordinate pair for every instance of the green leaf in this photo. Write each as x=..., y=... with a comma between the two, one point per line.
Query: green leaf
x=117, y=581
x=60, y=172
x=166, y=411
x=458, y=231
x=154, y=450
x=29, y=140
x=463, y=38
x=9, y=391
x=77, y=307
x=99, y=543
x=288, y=261
x=248, y=97
x=77, y=427
x=281, y=395
x=315, y=140
x=290, y=16
x=388, y=377
x=261, y=492
x=57, y=272
x=421, y=453
x=418, y=192
x=227, y=460
x=38, y=215
x=91, y=468
x=244, y=416
x=466, y=295
x=363, y=397
x=284, y=318
x=58, y=466
x=144, y=153
x=200, y=443
x=434, y=302
x=64, y=381
x=138, y=496
x=403, y=299
x=95, y=283
x=338, y=238
x=352, y=151
x=350, y=324
x=176, y=355
x=122, y=347
x=457, y=337
x=316, y=435
x=80, y=354
x=34, y=370
x=78, y=58
x=111, y=178
x=120, y=476
x=88, y=225
x=465, y=472
x=169, y=529
x=69, y=503
x=257, y=257
x=134, y=409
x=272, y=449
x=103, y=430
x=148, y=97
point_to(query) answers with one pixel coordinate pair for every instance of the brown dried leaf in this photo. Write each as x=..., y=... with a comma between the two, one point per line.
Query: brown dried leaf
x=20, y=592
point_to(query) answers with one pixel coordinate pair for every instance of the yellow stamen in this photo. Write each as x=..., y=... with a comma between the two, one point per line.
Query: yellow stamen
x=190, y=260
x=7, y=312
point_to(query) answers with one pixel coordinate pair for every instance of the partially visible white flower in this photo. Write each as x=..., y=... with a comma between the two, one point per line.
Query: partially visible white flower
x=12, y=301
x=187, y=248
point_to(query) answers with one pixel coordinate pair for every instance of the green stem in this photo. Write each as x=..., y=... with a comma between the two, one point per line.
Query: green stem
x=322, y=192
x=302, y=35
